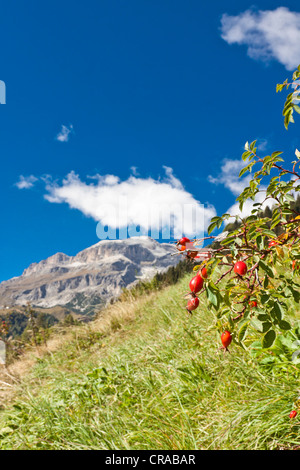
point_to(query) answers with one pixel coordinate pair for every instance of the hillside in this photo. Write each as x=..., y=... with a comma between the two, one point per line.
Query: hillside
x=147, y=375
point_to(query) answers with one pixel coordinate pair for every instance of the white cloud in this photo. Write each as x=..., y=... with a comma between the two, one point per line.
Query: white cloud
x=269, y=34
x=262, y=145
x=229, y=176
x=64, y=134
x=26, y=182
x=134, y=171
x=135, y=201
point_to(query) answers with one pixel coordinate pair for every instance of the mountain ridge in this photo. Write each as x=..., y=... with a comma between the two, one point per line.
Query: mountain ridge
x=90, y=278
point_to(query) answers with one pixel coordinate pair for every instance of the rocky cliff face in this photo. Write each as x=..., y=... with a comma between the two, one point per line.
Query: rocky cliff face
x=92, y=277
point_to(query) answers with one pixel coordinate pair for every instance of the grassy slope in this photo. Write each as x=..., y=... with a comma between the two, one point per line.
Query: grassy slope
x=149, y=376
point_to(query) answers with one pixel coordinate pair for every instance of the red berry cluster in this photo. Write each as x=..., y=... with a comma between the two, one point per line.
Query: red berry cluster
x=181, y=246
x=196, y=284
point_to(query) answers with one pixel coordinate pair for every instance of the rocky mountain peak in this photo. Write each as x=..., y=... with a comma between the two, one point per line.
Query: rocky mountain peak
x=92, y=277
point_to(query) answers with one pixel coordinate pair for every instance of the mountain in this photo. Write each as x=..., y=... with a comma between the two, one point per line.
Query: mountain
x=89, y=279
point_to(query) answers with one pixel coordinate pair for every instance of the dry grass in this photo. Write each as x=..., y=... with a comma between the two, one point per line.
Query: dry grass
x=107, y=323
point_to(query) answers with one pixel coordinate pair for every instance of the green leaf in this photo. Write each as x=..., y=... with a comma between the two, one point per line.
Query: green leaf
x=211, y=227
x=226, y=299
x=266, y=282
x=268, y=339
x=260, y=242
x=289, y=197
x=264, y=298
x=247, y=168
x=246, y=155
x=266, y=326
x=212, y=295
x=238, y=241
x=284, y=325
x=257, y=325
x=242, y=331
x=278, y=311
x=297, y=108
x=266, y=268
x=263, y=317
x=230, y=321
x=275, y=154
x=269, y=233
x=295, y=294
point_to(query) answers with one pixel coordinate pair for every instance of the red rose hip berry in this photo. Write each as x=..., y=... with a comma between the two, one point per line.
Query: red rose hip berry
x=196, y=284
x=204, y=273
x=183, y=241
x=192, y=304
x=226, y=339
x=293, y=414
x=240, y=268
x=192, y=254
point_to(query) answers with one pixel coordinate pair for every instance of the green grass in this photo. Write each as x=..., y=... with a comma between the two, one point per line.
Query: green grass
x=154, y=380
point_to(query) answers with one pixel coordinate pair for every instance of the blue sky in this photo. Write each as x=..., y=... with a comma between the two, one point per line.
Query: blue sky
x=162, y=93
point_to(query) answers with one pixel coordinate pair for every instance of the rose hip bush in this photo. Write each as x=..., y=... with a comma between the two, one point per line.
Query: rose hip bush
x=251, y=277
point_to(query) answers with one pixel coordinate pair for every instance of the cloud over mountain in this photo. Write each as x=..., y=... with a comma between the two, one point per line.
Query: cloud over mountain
x=145, y=202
